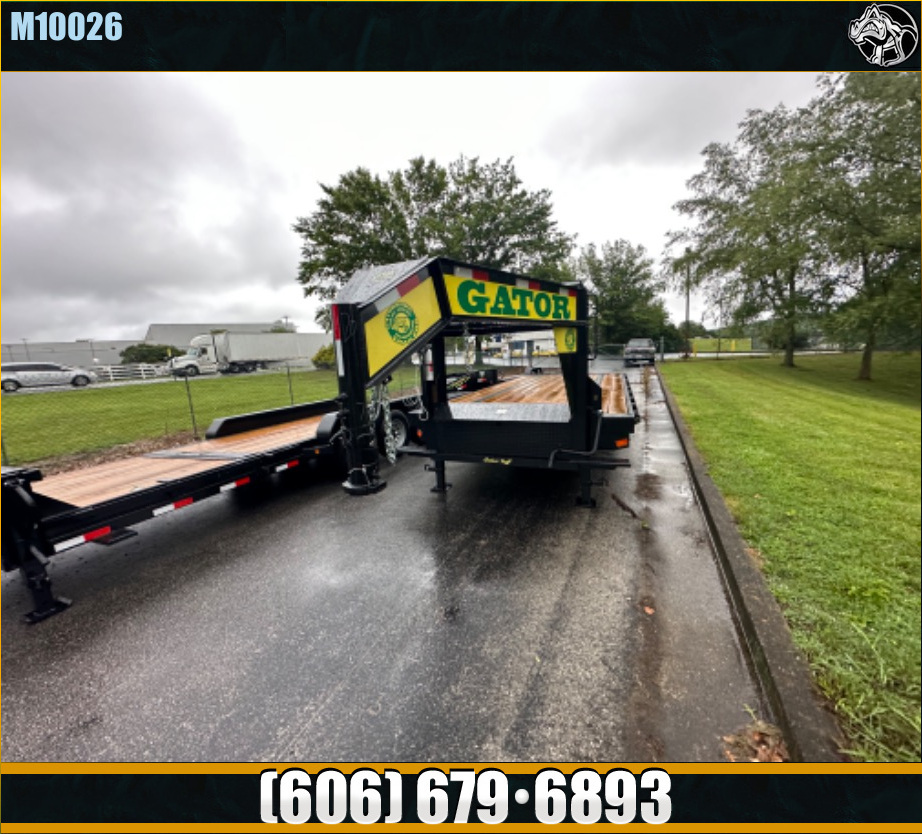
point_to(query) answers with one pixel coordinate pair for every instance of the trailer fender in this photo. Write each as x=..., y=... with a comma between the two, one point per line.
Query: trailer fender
x=328, y=428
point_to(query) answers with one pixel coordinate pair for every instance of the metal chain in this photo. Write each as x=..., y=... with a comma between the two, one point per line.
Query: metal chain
x=468, y=352
x=381, y=404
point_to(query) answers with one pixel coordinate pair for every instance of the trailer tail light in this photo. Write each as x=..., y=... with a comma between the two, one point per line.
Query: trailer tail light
x=622, y=443
x=86, y=537
x=419, y=434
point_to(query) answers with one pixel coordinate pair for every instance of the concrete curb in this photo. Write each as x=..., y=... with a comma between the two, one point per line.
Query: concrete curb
x=809, y=730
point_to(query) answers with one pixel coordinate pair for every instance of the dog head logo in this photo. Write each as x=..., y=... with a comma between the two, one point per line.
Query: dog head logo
x=885, y=34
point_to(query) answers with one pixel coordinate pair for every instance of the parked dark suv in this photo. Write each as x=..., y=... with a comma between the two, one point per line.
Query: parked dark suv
x=16, y=375
x=639, y=350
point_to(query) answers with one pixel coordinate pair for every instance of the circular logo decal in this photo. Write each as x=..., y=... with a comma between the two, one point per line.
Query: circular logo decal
x=402, y=325
x=569, y=339
x=885, y=34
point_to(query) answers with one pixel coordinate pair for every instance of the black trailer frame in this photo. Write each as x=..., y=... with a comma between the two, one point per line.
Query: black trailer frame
x=417, y=305
x=36, y=527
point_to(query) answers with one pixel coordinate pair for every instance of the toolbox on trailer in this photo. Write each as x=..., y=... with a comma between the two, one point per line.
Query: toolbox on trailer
x=571, y=421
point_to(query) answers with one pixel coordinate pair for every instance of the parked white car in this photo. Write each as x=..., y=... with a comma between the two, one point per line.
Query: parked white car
x=16, y=375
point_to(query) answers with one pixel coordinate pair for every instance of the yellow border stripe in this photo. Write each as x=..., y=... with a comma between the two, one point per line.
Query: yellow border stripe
x=244, y=828
x=218, y=768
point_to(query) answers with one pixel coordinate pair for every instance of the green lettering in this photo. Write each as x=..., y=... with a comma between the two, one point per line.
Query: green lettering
x=521, y=296
x=542, y=304
x=476, y=304
x=561, y=310
x=503, y=305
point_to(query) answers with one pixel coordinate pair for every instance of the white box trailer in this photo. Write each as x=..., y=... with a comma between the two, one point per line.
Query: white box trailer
x=230, y=352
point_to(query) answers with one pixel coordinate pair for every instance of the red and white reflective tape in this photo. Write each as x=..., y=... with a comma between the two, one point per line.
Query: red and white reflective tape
x=337, y=341
x=176, y=505
x=476, y=274
x=283, y=466
x=238, y=483
x=86, y=537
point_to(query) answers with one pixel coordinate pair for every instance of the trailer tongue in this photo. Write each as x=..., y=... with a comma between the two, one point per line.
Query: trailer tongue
x=384, y=314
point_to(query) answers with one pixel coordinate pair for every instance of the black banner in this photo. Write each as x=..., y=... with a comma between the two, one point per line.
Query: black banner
x=434, y=796
x=453, y=36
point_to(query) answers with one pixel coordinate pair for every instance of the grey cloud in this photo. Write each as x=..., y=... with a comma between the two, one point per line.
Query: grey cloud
x=94, y=168
x=666, y=118
x=81, y=134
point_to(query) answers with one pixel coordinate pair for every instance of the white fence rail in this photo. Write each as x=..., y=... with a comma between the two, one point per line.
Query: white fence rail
x=117, y=373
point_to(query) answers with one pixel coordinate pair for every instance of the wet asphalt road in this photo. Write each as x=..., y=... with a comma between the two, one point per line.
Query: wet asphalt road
x=499, y=622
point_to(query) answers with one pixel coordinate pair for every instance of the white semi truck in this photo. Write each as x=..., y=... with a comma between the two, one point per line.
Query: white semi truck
x=234, y=353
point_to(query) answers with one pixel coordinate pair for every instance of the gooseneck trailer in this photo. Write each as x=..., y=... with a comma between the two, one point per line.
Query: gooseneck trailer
x=573, y=421
x=567, y=421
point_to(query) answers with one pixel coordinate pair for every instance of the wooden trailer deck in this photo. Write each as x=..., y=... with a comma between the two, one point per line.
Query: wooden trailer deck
x=541, y=389
x=96, y=484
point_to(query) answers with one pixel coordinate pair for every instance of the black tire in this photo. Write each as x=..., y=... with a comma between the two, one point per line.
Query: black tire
x=11, y=386
x=191, y=370
x=80, y=381
x=400, y=428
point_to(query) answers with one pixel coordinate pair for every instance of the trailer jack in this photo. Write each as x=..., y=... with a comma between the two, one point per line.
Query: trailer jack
x=24, y=539
x=33, y=569
x=441, y=485
x=585, y=499
x=361, y=481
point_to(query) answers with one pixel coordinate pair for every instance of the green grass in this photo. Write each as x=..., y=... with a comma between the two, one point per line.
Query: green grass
x=52, y=424
x=822, y=474
x=46, y=425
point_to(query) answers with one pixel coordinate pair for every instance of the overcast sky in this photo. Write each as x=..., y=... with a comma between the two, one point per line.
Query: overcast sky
x=135, y=198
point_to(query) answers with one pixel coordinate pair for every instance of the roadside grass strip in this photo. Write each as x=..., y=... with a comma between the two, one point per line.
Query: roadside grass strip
x=822, y=473
x=45, y=425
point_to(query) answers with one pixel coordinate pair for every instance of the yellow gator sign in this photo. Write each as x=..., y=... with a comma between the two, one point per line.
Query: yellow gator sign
x=409, y=313
x=472, y=295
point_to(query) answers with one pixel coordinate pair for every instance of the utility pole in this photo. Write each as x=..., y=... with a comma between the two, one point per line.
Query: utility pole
x=687, y=304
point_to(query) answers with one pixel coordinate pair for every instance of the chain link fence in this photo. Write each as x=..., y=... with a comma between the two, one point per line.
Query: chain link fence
x=58, y=429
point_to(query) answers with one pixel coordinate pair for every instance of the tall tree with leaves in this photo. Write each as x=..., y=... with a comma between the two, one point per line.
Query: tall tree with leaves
x=864, y=141
x=624, y=291
x=475, y=212
x=753, y=237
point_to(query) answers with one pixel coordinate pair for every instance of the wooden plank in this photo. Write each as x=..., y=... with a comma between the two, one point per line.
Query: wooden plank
x=532, y=388
x=105, y=481
x=614, y=399
x=548, y=389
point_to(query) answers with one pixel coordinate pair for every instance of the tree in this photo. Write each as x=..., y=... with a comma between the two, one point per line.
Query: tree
x=864, y=141
x=325, y=358
x=475, y=212
x=623, y=289
x=134, y=354
x=754, y=241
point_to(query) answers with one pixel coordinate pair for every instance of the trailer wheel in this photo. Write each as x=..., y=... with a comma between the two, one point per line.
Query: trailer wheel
x=400, y=428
